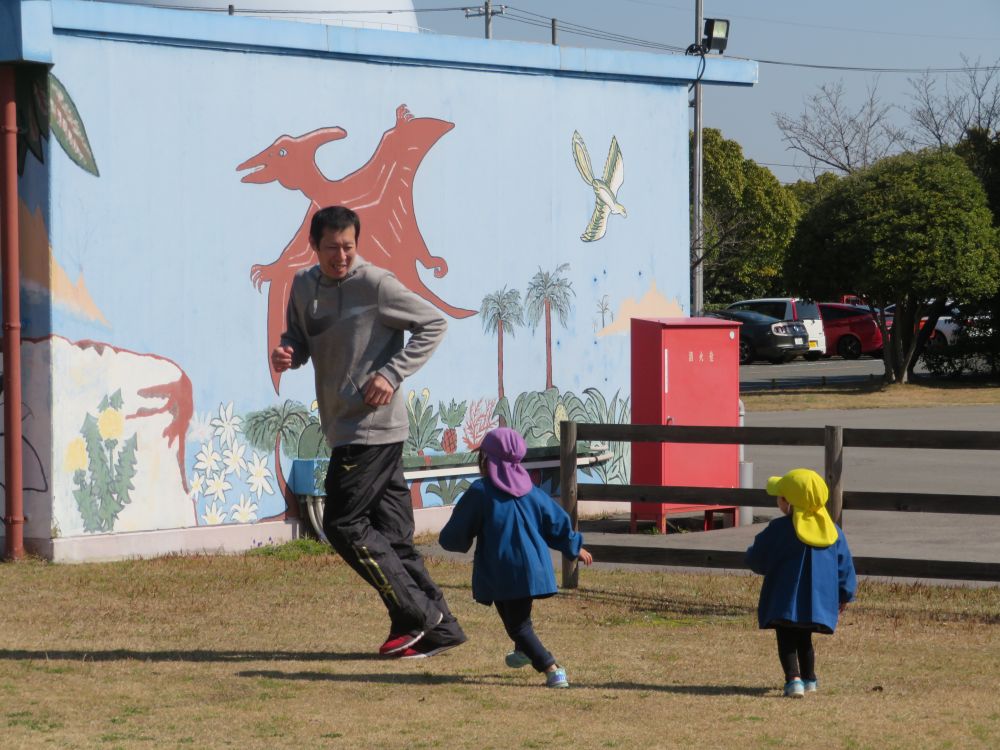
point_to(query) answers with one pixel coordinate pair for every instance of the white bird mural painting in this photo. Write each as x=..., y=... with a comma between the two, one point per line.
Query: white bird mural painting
x=605, y=188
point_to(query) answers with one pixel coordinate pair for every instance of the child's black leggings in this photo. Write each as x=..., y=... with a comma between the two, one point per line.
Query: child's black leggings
x=516, y=617
x=795, y=649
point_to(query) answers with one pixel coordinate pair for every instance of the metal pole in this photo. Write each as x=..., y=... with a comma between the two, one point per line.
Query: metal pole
x=9, y=246
x=746, y=474
x=554, y=40
x=697, y=301
x=489, y=19
x=567, y=495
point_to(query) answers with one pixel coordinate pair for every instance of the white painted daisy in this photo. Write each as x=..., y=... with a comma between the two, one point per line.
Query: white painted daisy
x=227, y=424
x=216, y=487
x=258, y=474
x=244, y=511
x=213, y=515
x=207, y=459
x=233, y=459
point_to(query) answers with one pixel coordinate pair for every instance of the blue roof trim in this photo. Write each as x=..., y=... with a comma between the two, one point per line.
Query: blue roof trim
x=25, y=31
x=241, y=33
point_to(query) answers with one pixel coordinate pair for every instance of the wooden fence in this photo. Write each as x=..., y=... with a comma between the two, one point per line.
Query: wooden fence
x=833, y=438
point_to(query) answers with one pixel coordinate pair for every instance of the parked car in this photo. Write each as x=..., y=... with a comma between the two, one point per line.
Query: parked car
x=790, y=308
x=764, y=337
x=945, y=330
x=850, y=330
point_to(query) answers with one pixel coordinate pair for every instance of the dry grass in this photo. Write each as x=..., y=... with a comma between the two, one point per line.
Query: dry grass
x=262, y=652
x=874, y=396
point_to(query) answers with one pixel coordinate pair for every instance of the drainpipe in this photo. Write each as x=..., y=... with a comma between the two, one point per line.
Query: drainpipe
x=9, y=247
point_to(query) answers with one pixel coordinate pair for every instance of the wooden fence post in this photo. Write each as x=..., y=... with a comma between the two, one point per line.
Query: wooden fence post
x=833, y=437
x=567, y=494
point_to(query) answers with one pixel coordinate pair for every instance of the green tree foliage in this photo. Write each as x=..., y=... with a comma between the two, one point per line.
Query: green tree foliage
x=909, y=229
x=749, y=220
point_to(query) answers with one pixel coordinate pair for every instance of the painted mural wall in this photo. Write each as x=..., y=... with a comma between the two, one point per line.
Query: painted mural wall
x=538, y=213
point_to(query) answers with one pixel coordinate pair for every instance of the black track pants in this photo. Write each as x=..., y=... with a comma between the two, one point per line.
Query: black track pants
x=368, y=518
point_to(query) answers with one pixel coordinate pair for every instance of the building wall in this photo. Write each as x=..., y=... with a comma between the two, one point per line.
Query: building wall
x=173, y=212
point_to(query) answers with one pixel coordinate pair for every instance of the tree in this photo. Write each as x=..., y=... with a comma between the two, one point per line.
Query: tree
x=946, y=118
x=548, y=292
x=832, y=136
x=749, y=219
x=501, y=311
x=273, y=426
x=912, y=228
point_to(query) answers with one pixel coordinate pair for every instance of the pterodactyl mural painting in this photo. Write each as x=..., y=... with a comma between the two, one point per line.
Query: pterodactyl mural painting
x=381, y=192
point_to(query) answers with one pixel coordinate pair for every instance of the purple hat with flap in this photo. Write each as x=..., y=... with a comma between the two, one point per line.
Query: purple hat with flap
x=504, y=448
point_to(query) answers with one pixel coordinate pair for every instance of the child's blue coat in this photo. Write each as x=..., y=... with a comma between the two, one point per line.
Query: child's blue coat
x=803, y=585
x=513, y=536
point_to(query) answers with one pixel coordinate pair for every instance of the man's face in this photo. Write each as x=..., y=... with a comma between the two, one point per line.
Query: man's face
x=336, y=252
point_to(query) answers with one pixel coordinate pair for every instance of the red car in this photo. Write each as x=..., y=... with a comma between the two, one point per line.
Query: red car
x=850, y=331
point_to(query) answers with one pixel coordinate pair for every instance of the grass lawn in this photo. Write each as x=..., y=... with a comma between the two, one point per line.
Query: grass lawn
x=922, y=393
x=267, y=651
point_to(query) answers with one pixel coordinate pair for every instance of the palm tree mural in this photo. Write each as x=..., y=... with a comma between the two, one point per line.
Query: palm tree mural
x=270, y=427
x=501, y=311
x=548, y=292
x=604, y=307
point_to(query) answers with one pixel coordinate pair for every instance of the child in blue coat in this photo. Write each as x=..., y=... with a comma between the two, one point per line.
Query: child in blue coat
x=513, y=524
x=808, y=574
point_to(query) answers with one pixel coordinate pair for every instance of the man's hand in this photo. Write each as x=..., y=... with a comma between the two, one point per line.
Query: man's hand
x=585, y=557
x=281, y=358
x=378, y=391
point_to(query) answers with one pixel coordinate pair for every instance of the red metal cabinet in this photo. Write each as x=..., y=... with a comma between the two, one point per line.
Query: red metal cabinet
x=685, y=371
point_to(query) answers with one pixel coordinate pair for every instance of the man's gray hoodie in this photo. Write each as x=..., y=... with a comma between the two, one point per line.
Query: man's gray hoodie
x=353, y=328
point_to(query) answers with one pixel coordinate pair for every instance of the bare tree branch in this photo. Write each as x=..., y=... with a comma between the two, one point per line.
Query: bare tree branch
x=828, y=133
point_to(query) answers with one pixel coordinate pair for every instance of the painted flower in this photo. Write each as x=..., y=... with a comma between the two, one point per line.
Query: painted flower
x=76, y=455
x=200, y=429
x=244, y=511
x=213, y=515
x=207, y=459
x=258, y=474
x=216, y=487
x=233, y=460
x=226, y=424
x=197, y=486
x=110, y=424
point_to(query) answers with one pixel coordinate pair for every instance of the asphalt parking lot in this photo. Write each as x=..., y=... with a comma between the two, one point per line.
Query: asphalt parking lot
x=800, y=373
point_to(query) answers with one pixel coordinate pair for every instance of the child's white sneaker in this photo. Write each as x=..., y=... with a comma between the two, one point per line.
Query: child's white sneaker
x=795, y=688
x=556, y=678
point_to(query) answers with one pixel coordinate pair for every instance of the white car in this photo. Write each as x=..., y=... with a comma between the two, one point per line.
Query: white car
x=791, y=308
x=945, y=330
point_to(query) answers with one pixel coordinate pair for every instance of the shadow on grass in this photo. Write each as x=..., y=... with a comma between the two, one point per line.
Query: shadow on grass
x=423, y=678
x=177, y=655
x=661, y=604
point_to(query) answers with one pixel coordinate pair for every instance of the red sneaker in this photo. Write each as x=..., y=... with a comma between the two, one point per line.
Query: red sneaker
x=397, y=643
x=424, y=649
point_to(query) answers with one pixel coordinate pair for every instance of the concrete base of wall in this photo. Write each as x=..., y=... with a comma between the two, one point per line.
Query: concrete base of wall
x=209, y=540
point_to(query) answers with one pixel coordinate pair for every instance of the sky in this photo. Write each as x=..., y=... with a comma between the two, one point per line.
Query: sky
x=915, y=34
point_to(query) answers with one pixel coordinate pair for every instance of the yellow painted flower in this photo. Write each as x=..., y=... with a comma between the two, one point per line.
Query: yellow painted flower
x=111, y=424
x=76, y=455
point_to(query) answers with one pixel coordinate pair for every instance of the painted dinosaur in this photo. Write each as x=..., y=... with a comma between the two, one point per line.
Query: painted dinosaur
x=381, y=192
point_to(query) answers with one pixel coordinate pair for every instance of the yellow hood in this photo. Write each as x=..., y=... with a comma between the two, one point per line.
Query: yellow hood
x=807, y=493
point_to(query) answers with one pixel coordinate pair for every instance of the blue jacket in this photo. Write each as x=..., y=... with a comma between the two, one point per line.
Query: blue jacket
x=803, y=585
x=513, y=536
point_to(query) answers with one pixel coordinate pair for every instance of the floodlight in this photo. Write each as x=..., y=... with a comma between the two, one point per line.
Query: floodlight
x=716, y=35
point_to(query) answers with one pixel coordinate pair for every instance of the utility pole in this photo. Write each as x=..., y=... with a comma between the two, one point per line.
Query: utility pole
x=555, y=39
x=697, y=233
x=488, y=12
